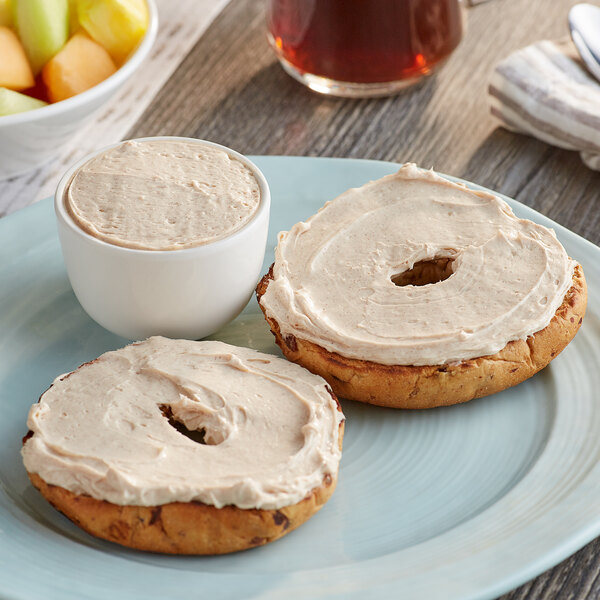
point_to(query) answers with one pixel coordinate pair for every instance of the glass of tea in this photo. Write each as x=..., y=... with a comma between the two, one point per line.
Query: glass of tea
x=361, y=48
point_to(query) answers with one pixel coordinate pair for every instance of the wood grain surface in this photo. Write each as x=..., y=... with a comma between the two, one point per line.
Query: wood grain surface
x=231, y=90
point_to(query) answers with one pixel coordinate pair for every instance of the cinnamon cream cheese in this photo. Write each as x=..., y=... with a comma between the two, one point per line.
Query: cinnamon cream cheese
x=162, y=195
x=271, y=427
x=338, y=277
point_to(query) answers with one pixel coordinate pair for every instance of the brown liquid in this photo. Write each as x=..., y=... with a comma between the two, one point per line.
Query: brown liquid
x=365, y=41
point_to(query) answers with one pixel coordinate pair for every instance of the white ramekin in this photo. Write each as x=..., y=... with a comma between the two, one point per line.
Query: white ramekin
x=31, y=138
x=187, y=293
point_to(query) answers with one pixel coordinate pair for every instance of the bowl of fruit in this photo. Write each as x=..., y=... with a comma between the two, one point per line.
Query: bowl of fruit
x=60, y=60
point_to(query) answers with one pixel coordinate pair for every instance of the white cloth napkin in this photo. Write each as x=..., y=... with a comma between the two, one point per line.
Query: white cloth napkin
x=544, y=90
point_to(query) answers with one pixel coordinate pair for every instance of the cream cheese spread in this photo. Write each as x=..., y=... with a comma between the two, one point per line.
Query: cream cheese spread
x=334, y=274
x=271, y=427
x=162, y=195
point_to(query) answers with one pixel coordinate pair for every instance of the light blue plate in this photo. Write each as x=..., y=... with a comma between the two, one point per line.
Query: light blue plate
x=464, y=502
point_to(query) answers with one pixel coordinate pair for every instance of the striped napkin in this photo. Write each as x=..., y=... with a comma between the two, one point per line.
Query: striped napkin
x=544, y=90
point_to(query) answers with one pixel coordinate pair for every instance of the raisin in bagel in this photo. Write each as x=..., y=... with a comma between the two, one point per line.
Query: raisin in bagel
x=103, y=447
x=415, y=292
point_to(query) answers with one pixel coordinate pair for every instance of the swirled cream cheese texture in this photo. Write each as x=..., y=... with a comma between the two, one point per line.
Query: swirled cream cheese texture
x=162, y=195
x=272, y=427
x=333, y=273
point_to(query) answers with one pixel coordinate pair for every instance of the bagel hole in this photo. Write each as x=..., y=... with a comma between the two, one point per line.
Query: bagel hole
x=196, y=435
x=425, y=272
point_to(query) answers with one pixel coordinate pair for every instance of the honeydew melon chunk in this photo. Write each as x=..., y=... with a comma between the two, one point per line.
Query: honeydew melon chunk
x=118, y=25
x=80, y=65
x=15, y=72
x=5, y=13
x=12, y=102
x=43, y=27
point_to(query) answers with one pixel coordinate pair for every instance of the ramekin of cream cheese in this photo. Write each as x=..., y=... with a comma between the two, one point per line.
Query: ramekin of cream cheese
x=163, y=236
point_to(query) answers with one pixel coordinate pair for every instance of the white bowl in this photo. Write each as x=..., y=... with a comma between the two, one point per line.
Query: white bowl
x=187, y=293
x=31, y=138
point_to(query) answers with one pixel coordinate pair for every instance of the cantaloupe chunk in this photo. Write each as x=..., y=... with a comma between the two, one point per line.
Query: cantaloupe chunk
x=12, y=102
x=80, y=65
x=5, y=13
x=118, y=25
x=15, y=72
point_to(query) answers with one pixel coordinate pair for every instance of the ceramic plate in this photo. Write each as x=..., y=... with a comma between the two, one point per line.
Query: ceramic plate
x=463, y=502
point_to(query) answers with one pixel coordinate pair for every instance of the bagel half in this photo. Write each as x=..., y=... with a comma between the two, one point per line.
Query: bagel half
x=109, y=446
x=429, y=386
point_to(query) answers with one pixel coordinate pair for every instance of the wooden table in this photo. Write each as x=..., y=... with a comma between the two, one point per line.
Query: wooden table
x=230, y=89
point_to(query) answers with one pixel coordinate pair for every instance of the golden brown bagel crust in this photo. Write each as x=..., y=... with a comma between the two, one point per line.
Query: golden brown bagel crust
x=428, y=386
x=184, y=528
